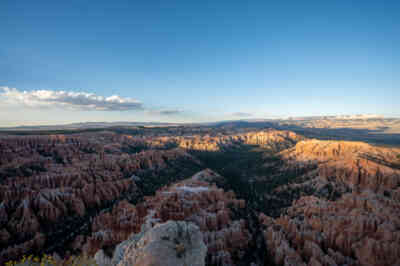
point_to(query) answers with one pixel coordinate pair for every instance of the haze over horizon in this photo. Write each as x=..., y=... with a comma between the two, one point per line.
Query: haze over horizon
x=181, y=61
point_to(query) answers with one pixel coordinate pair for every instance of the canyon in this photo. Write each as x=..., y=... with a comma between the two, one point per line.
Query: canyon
x=248, y=196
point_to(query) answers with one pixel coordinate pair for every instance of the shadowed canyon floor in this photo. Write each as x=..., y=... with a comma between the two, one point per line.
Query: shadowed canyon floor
x=243, y=195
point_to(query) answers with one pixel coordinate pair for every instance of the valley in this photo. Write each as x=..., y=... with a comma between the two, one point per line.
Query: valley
x=259, y=195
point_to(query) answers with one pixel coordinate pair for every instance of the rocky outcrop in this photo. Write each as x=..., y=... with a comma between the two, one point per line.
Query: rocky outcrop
x=171, y=243
x=111, y=228
x=358, y=229
x=194, y=200
x=210, y=209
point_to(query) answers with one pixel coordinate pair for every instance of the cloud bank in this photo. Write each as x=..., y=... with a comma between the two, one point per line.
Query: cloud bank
x=242, y=114
x=69, y=100
x=170, y=112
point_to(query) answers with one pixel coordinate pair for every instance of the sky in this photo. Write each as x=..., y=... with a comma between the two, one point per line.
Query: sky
x=196, y=61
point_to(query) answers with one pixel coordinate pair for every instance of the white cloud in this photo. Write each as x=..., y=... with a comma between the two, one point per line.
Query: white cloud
x=68, y=100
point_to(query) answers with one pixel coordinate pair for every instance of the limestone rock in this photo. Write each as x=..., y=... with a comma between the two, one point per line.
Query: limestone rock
x=171, y=243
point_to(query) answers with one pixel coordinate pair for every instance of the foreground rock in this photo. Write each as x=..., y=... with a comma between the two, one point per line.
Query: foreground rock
x=170, y=244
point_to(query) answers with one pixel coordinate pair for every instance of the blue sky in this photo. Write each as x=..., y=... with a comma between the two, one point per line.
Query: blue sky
x=196, y=60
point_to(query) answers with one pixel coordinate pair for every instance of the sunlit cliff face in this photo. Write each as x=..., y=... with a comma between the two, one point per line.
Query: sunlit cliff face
x=265, y=139
x=357, y=164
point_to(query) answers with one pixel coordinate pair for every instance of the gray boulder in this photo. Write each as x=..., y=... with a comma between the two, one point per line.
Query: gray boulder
x=171, y=243
x=174, y=243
